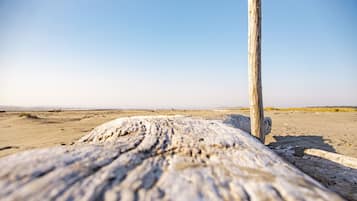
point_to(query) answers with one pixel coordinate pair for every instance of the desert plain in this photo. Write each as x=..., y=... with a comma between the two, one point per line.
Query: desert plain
x=329, y=129
x=312, y=128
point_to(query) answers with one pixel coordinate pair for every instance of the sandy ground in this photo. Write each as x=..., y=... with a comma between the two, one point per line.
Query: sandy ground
x=330, y=131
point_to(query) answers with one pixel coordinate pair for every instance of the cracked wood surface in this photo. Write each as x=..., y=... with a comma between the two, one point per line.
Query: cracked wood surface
x=162, y=157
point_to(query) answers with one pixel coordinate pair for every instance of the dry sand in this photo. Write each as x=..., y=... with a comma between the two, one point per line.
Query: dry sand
x=330, y=131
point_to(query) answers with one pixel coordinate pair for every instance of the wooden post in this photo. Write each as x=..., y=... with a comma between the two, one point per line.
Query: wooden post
x=254, y=61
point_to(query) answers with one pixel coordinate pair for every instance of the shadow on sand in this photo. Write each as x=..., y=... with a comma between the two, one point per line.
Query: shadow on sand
x=303, y=141
x=336, y=172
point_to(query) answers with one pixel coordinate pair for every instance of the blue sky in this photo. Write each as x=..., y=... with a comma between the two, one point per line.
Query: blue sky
x=174, y=53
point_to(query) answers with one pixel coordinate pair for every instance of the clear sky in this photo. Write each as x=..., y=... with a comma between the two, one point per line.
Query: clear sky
x=174, y=53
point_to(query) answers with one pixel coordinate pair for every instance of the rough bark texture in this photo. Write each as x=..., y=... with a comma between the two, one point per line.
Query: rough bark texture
x=150, y=158
x=337, y=172
x=254, y=61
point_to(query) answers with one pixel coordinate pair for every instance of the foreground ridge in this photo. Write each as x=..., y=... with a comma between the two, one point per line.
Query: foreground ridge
x=159, y=157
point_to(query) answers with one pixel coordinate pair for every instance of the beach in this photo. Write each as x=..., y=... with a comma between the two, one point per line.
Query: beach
x=330, y=131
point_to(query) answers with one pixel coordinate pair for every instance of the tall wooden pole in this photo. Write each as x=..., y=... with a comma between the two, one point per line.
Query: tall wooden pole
x=254, y=61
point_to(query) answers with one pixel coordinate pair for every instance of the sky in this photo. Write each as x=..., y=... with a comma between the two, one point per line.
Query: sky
x=175, y=53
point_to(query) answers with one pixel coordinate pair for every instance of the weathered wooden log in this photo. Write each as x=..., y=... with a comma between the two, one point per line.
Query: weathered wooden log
x=150, y=158
x=333, y=157
x=243, y=123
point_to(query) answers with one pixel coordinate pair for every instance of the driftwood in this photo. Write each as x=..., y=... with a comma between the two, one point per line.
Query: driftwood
x=150, y=158
x=243, y=123
x=254, y=69
x=337, y=172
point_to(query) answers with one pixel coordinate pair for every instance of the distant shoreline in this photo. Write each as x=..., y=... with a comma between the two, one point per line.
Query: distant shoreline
x=60, y=109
